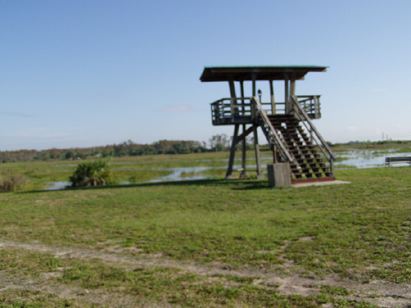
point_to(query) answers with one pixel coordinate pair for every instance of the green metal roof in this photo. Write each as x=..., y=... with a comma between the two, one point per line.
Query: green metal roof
x=238, y=73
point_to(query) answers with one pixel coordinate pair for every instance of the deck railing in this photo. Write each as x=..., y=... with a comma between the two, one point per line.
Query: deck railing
x=226, y=111
x=311, y=105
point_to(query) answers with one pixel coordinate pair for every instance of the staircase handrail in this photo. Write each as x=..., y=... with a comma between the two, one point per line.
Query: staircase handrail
x=303, y=115
x=261, y=113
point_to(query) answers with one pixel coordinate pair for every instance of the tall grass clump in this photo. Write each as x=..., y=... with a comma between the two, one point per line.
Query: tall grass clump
x=11, y=181
x=94, y=173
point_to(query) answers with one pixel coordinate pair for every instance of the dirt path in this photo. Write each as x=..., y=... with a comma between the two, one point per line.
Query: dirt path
x=381, y=293
x=79, y=296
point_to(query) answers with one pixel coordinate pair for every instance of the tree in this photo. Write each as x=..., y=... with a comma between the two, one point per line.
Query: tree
x=219, y=142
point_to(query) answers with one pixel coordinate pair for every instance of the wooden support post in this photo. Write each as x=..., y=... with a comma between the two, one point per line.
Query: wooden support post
x=255, y=135
x=286, y=96
x=272, y=97
x=236, y=127
x=233, y=97
x=256, y=150
x=232, y=152
x=292, y=87
x=273, y=111
x=243, y=173
x=292, y=93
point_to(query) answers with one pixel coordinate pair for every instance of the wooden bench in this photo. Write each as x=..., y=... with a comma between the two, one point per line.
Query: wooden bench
x=398, y=159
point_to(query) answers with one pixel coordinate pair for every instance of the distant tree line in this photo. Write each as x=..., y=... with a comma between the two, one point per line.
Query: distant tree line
x=128, y=148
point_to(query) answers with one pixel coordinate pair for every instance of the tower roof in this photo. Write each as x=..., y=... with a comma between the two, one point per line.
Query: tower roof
x=239, y=73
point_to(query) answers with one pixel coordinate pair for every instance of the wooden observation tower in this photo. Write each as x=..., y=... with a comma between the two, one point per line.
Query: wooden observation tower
x=287, y=125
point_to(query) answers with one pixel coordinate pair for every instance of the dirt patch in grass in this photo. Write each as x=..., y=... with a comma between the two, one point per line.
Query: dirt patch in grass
x=76, y=296
x=376, y=292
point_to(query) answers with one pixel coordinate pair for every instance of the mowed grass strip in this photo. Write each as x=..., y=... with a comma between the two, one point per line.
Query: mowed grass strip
x=360, y=230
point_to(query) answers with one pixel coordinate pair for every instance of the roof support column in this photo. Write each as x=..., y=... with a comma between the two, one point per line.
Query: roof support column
x=236, y=127
x=292, y=87
x=292, y=93
x=286, y=95
x=272, y=97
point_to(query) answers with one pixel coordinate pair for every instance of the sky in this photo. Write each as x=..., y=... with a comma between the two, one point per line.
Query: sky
x=85, y=73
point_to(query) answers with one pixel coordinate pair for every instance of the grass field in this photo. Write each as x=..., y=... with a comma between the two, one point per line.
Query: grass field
x=205, y=243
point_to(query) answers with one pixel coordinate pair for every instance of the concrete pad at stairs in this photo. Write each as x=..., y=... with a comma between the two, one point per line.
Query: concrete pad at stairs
x=325, y=183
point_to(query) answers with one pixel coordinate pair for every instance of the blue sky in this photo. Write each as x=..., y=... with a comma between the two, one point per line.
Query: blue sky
x=83, y=73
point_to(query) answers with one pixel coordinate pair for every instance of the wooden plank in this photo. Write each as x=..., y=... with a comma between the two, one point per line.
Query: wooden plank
x=245, y=134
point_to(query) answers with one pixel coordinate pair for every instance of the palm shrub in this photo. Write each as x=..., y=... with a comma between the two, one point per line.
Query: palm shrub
x=94, y=173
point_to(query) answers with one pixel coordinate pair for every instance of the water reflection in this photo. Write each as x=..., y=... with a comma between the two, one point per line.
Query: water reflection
x=182, y=174
x=59, y=185
x=366, y=158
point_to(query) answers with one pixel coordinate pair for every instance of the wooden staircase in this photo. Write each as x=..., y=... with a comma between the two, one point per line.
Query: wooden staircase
x=294, y=139
x=308, y=163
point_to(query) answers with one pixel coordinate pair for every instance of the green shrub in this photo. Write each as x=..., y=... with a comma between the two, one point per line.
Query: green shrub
x=95, y=173
x=10, y=181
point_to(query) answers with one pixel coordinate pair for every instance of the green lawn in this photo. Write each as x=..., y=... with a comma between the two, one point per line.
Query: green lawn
x=357, y=232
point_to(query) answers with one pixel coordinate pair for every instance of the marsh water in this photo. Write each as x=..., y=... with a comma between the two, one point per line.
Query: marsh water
x=345, y=160
x=366, y=159
x=182, y=174
x=58, y=185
